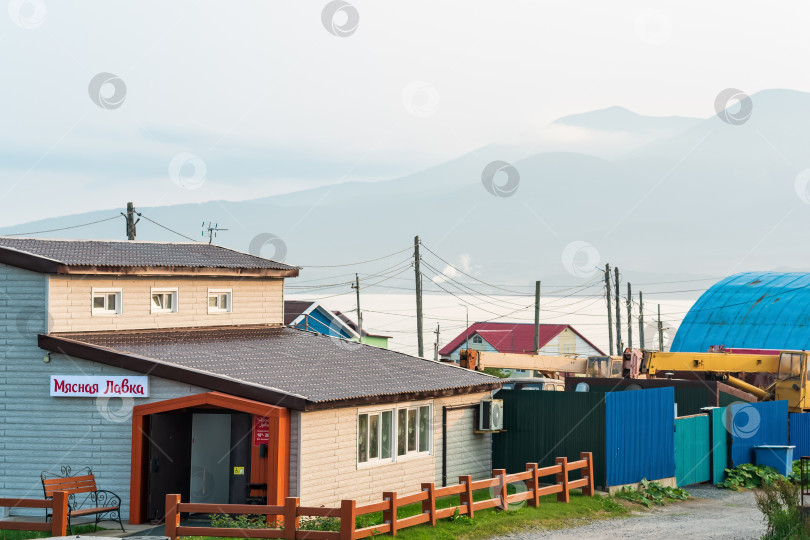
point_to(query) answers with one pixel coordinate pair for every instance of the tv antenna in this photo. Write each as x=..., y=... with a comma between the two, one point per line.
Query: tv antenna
x=212, y=231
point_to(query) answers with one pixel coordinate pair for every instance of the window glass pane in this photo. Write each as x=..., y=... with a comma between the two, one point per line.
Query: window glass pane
x=111, y=302
x=167, y=300
x=402, y=428
x=223, y=302
x=385, y=435
x=374, y=436
x=362, y=438
x=156, y=301
x=98, y=302
x=424, y=425
x=212, y=301
x=411, y=430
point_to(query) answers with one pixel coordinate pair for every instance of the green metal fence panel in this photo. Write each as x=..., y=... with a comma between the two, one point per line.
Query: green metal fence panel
x=719, y=444
x=541, y=426
x=692, y=450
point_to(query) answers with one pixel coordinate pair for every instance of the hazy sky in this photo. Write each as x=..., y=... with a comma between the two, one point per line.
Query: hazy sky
x=262, y=98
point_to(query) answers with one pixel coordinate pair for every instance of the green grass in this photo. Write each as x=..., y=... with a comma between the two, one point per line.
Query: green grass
x=492, y=522
x=25, y=535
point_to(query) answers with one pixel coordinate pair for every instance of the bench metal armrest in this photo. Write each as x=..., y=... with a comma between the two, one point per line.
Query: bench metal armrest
x=103, y=497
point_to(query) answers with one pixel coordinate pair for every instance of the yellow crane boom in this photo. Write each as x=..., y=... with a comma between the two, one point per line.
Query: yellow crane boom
x=653, y=362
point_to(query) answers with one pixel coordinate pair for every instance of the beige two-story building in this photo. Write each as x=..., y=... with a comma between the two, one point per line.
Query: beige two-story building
x=167, y=368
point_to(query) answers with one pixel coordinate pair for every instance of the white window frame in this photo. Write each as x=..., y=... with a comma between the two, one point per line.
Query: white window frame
x=395, y=456
x=119, y=301
x=477, y=339
x=173, y=291
x=218, y=310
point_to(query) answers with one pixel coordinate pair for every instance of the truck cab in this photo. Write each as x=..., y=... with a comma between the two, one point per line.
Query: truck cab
x=791, y=380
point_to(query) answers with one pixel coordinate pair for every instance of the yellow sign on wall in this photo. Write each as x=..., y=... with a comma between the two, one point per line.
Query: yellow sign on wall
x=239, y=471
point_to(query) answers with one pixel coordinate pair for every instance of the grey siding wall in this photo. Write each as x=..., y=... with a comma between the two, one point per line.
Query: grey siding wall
x=295, y=457
x=38, y=432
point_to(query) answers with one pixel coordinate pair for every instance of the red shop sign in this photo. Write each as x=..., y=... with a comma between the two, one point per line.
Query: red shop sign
x=261, y=430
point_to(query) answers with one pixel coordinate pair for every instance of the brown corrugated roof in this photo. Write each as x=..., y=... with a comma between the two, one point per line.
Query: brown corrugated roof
x=294, y=367
x=48, y=255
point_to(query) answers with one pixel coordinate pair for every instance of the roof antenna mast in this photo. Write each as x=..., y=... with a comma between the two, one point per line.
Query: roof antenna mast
x=212, y=231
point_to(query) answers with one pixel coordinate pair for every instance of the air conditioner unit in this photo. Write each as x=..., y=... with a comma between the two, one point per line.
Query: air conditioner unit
x=490, y=415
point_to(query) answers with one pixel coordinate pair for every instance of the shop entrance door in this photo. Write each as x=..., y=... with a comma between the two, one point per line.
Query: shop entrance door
x=169, y=460
x=210, y=458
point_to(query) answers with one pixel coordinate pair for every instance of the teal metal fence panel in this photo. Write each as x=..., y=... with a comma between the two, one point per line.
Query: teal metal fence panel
x=719, y=444
x=693, y=458
x=640, y=433
x=541, y=426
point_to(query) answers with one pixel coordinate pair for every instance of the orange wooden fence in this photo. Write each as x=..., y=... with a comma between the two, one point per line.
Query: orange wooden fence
x=59, y=509
x=348, y=512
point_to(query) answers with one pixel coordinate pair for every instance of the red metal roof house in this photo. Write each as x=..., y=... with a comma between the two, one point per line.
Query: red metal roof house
x=555, y=339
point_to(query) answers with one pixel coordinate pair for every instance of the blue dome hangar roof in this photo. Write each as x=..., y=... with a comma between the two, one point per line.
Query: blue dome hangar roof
x=755, y=310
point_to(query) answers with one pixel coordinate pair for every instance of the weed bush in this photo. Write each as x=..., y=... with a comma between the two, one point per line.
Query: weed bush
x=652, y=493
x=779, y=503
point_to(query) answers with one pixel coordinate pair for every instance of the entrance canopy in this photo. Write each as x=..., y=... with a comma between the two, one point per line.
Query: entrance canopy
x=271, y=469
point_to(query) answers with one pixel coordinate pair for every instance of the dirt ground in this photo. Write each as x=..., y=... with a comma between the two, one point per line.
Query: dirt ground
x=711, y=513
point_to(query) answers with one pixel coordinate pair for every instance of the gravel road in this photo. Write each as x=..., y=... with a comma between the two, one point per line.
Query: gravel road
x=711, y=513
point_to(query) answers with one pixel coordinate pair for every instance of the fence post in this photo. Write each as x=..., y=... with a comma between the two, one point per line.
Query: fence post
x=59, y=513
x=467, y=496
x=429, y=506
x=291, y=517
x=172, y=516
x=501, y=473
x=589, y=489
x=562, y=478
x=533, y=484
x=390, y=515
x=347, y=517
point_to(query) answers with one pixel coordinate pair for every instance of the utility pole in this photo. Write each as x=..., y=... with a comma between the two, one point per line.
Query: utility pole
x=610, y=315
x=356, y=286
x=537, y=317
x=629, y=317
x=618, y=315
x=436, y=345
x=641, y=319
x=660, y=331
x=131, y=221
x=418, y=272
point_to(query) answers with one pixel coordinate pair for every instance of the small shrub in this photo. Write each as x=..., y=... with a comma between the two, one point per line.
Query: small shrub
x=749, y=476
x=650, y=493
x=241, y=521
x=779, y=504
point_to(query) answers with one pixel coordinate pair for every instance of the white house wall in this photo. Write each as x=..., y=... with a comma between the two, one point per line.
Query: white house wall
x=329, y=456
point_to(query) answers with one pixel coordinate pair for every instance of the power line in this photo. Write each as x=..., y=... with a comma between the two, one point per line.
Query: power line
x=356, y=263
x=65, y=228
x=167, y=228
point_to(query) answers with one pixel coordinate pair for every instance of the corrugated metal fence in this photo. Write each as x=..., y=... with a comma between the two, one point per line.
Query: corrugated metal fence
x=753, y=424
x=540, y=426
x=640, y=433
x=800, y=434
x=719, y=444
x=693, y=463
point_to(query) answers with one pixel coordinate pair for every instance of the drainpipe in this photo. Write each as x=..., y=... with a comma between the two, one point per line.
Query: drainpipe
x=444, y=435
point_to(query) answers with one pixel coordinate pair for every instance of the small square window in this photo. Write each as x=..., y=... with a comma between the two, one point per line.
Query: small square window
x=164, y=300
x=106, y=301
x=219, y=301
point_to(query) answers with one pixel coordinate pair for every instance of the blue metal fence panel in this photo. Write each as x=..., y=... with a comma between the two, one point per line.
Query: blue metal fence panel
x=753, y=424
x=800, y=434
x=640, y=435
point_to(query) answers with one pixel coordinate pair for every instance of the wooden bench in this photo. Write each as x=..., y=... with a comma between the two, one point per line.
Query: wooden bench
x=84, y=497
